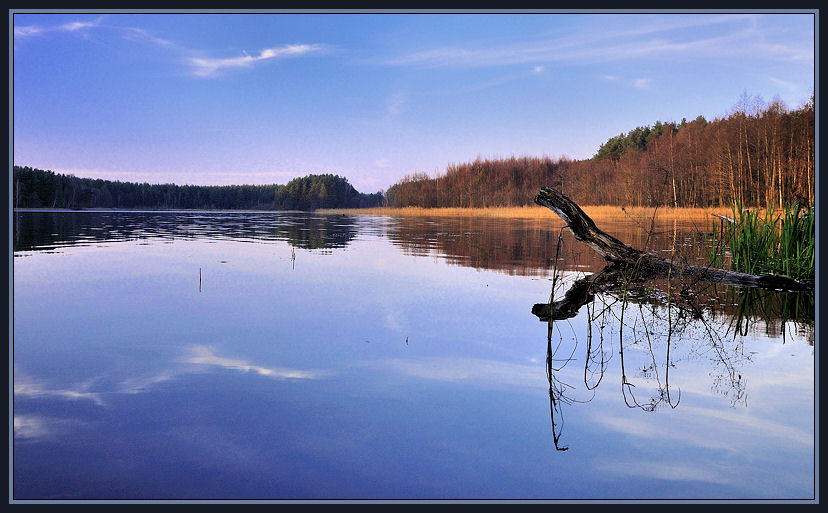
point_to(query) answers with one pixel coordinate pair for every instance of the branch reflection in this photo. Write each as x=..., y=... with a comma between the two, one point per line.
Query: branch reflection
x=652, y=326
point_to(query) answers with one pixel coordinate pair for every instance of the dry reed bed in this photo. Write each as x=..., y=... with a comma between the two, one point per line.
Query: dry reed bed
x=537, y=212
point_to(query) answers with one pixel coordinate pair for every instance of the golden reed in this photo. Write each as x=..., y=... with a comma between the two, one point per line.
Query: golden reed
x=538, y=212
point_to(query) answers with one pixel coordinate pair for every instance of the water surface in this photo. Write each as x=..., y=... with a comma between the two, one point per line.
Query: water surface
x=210, y=355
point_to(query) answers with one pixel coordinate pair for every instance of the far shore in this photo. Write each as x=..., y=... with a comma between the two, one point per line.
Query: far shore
x=538, y=212
x=524, y=212
x=150, y=210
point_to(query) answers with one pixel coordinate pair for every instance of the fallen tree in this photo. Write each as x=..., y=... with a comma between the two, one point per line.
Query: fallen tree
x=629, y=265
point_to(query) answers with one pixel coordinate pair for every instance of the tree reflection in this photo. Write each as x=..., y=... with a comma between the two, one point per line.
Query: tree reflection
x=643, y=329
x=47, y=230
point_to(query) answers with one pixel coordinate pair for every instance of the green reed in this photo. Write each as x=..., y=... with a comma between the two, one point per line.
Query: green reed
x=782, y=243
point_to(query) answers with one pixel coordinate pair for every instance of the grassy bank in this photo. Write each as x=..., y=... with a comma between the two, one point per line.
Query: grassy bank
x=767, y=242
x=537, y=212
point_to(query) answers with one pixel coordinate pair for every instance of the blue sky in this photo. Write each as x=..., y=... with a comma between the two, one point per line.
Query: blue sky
x=260, y=98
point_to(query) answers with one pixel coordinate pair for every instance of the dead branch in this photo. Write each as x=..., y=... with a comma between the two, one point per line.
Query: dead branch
x=647, y=265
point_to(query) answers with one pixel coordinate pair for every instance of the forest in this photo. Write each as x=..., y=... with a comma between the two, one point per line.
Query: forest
x=761, y=154
x=35, y=188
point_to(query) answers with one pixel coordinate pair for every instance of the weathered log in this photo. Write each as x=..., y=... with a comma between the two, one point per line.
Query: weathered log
x=648, y=265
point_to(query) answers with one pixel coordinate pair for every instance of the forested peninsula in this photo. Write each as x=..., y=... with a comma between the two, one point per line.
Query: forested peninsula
x=761, y=155
x=35, y=188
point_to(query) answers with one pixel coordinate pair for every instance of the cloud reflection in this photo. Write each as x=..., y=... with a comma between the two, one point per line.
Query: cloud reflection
x=25, y=386
x=470, y=370
x=29, y=426
x=140, y=384
x=674, y=471
x=736, y=421
x=765, y=426
x=203, y=355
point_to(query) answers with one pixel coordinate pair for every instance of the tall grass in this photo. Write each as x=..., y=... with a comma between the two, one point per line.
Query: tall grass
x=774, y=242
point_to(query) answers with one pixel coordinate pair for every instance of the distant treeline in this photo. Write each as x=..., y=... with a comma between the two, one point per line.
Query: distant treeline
x=760, y=155
x=35, y=188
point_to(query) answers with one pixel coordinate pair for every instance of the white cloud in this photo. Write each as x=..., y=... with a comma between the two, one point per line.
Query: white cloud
x=538, y=69
x=37, y=30
x=28, y=31
x=642, y=83
x=639, y=83
x=200, y=66
x=208, y=66
x=78, y=25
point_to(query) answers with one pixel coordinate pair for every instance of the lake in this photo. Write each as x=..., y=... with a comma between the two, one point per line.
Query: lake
x=287, y=356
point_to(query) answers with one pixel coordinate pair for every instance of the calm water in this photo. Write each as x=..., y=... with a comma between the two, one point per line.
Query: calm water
x=292, y=356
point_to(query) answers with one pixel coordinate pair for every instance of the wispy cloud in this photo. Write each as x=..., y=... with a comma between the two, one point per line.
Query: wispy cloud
x=663, y=24
x=85, y=28
x=186, y=176
x=790, y=86
x=654, y=37
x=198, y=64
x=28, y=31
x=642, y=83
x=210, y=66
x=139, y=34
x=638, y=83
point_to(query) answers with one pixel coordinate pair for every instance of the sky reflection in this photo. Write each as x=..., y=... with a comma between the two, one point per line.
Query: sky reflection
x=365, y=372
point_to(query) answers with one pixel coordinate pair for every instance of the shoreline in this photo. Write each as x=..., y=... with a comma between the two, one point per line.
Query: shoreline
x=523, y=212
x=538, y=212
